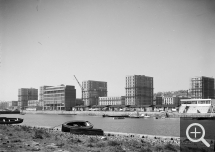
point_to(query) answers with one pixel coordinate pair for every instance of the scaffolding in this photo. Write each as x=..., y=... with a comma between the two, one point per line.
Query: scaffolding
x=202, y=88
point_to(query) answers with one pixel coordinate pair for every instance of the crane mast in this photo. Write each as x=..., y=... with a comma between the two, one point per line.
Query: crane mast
x=80, y=87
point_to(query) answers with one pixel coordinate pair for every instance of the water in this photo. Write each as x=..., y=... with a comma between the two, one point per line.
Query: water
x=151, y=126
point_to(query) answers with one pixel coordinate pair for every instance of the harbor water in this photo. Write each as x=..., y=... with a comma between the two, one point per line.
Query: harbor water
x=151, y=126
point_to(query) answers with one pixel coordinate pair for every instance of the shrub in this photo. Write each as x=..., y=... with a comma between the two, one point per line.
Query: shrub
x=100, y=144
x=113, y=143
x=38, y=134
x=170, y=147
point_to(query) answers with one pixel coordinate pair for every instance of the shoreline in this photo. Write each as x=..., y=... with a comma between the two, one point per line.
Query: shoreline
x=100, y=113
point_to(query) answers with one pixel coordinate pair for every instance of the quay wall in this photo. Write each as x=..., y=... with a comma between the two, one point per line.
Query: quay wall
x=100, y=113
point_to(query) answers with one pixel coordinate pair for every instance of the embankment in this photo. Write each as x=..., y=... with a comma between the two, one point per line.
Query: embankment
x=17, y=138
x=100, y=113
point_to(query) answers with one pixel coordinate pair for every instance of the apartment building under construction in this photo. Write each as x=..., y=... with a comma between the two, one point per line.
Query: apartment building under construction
x=202, y=88
x=139, y=90
x=92, y=90
x=25, y=94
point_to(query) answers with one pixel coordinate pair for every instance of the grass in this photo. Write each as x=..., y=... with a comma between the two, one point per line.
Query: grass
x=22, y=138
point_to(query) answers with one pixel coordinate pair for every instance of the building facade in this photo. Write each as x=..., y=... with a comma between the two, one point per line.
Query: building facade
x=61, y=97
x=202, y=88
x=92, y=90
x=170, y=101
x=197, y=106
x=34, y=103
x=159, y=100
x=112, y=100
x=4, y=105
x=79, y=102
x=25, y=94
x=13, y=105
x=139, y=90
x=41, y=94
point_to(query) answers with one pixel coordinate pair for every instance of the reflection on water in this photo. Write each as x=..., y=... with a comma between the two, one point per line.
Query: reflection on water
x=151, y=126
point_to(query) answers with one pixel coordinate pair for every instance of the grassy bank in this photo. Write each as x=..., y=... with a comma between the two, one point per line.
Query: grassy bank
x=23, y=139
x=16, y=138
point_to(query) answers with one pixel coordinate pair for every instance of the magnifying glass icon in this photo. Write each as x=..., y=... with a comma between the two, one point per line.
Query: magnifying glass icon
x=199, y=139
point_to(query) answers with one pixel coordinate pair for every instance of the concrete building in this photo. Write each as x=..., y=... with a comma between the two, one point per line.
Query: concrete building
x=41, y=94
x=13, y=105
x=34, y=103
x=159, y=100
x=79, y=102
x=202, y=88
x=92, y=90
x=112, y=100
x=139, y=90
x=197, y=106
x=4, y=105
x=61, y=97
x=171, y=101
x=25, y=94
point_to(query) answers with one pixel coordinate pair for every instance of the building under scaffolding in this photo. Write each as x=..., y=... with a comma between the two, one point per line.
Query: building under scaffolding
x=202, y=88
x=92, y=90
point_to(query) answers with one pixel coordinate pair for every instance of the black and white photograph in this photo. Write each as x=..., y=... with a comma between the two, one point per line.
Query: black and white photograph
x=107, y=75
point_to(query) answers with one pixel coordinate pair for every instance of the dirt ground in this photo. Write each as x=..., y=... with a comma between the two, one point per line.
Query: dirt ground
x=17, y=138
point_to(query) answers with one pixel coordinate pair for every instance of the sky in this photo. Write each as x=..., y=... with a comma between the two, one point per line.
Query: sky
x=47, y=42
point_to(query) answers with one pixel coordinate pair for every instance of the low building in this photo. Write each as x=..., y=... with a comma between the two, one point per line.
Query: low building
x=114, y=103
x=25, y=94
x=170, y=101
x=4, y=105
x=197, y=105
x=79, y=102
x=158, y=100
x=13, y=105
x=112, y=100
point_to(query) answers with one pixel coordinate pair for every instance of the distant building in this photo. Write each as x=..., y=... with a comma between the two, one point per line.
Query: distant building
x=159, y=100
x=92, y=90
x=202, y=88
x=139, y=90
x=112, y=100
x=197, y=106
x=4, y=105
x=25, y=94
x=41, y=94
x=13, y=105
x=79, y=102
x=61, y=97
x=171, y=101
x=33, y=103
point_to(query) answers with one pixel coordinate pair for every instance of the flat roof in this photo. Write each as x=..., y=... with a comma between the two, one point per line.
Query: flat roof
x=196, y=99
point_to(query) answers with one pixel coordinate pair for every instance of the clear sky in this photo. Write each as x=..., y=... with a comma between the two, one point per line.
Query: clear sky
x=46, y=42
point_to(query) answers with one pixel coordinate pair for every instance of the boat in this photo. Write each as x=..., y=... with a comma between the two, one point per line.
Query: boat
x=134, y=116
x=10, y=112
x=81, y=127
x=5, y=120
x=115, y=115
x=203, y=118
x=118, y=117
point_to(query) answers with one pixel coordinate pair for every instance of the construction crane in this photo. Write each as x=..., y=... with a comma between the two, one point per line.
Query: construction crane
x=82, y=89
